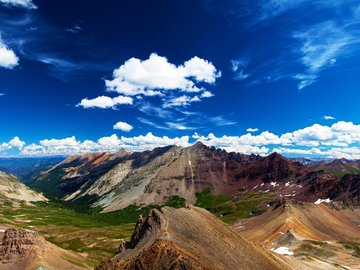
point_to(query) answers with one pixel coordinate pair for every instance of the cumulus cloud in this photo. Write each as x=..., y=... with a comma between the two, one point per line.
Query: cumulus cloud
x=105, y=102
x=13, y=143
x=206, y=94
x=8, y=58
x=123, y=126
x=19, y=3
x=16, y=142
x=72, y=146
x=157, y=87
x=4, y=146
x=339, y=134
x=142, y=77
x=339, y=140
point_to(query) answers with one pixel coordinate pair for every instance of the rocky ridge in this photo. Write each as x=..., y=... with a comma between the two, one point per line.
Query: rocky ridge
x=188, y=238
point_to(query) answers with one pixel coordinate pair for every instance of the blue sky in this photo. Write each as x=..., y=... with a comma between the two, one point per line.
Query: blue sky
x=247, y=76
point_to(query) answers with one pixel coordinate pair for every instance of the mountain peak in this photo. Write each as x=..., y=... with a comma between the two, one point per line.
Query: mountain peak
x=199, y=145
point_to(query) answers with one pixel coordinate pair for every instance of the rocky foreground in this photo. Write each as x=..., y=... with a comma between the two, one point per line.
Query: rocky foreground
x=26, y=250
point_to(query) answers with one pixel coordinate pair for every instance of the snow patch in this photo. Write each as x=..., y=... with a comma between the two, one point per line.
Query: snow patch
x=274, y=184
x=283, y=251
x=322, y=201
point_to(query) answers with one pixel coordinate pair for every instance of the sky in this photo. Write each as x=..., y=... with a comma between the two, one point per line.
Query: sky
x=250, y=76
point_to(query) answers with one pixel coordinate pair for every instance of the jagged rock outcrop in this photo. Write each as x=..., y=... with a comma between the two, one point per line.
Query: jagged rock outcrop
x=188, y=239
x=18, y=245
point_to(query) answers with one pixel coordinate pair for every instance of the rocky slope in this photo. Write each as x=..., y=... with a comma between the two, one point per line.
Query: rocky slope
x=11, y=188
x=188, y=238
x=26, y=250
x=338, y=167
x=114, y=181
x=312, y=236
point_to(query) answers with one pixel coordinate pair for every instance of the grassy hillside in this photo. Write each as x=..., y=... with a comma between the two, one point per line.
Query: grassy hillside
x=230, y=209
x=79, y=229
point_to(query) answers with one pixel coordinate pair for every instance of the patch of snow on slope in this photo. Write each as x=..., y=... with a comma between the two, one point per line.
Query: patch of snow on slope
x=283, y=251
x=322, y=200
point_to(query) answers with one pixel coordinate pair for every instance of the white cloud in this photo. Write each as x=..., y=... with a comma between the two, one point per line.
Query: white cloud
x=16, y=142
x=206, y=94
x=321, y=44
x=180, y=101
x=19, y=3
x=8, y=58
x=179, y=126
x=340, y=140
x=221, y=121
x=123, y=126
x=142, y=77
x=273, y=8
x=4, y=146
x=328, y=117
x=74, y=29
x=72, y=146
x=152, y=110
x=252, y=130
x=151, y=123
x=105, y=102
x=312, y=151
x=339, y=134
x=238, y=67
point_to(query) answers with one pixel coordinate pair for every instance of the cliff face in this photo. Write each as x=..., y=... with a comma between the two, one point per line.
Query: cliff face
x=347, y=189
x=188, y=239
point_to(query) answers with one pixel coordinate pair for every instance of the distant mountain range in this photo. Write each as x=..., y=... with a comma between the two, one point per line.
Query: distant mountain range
x=26, y=168
x=117, y=180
